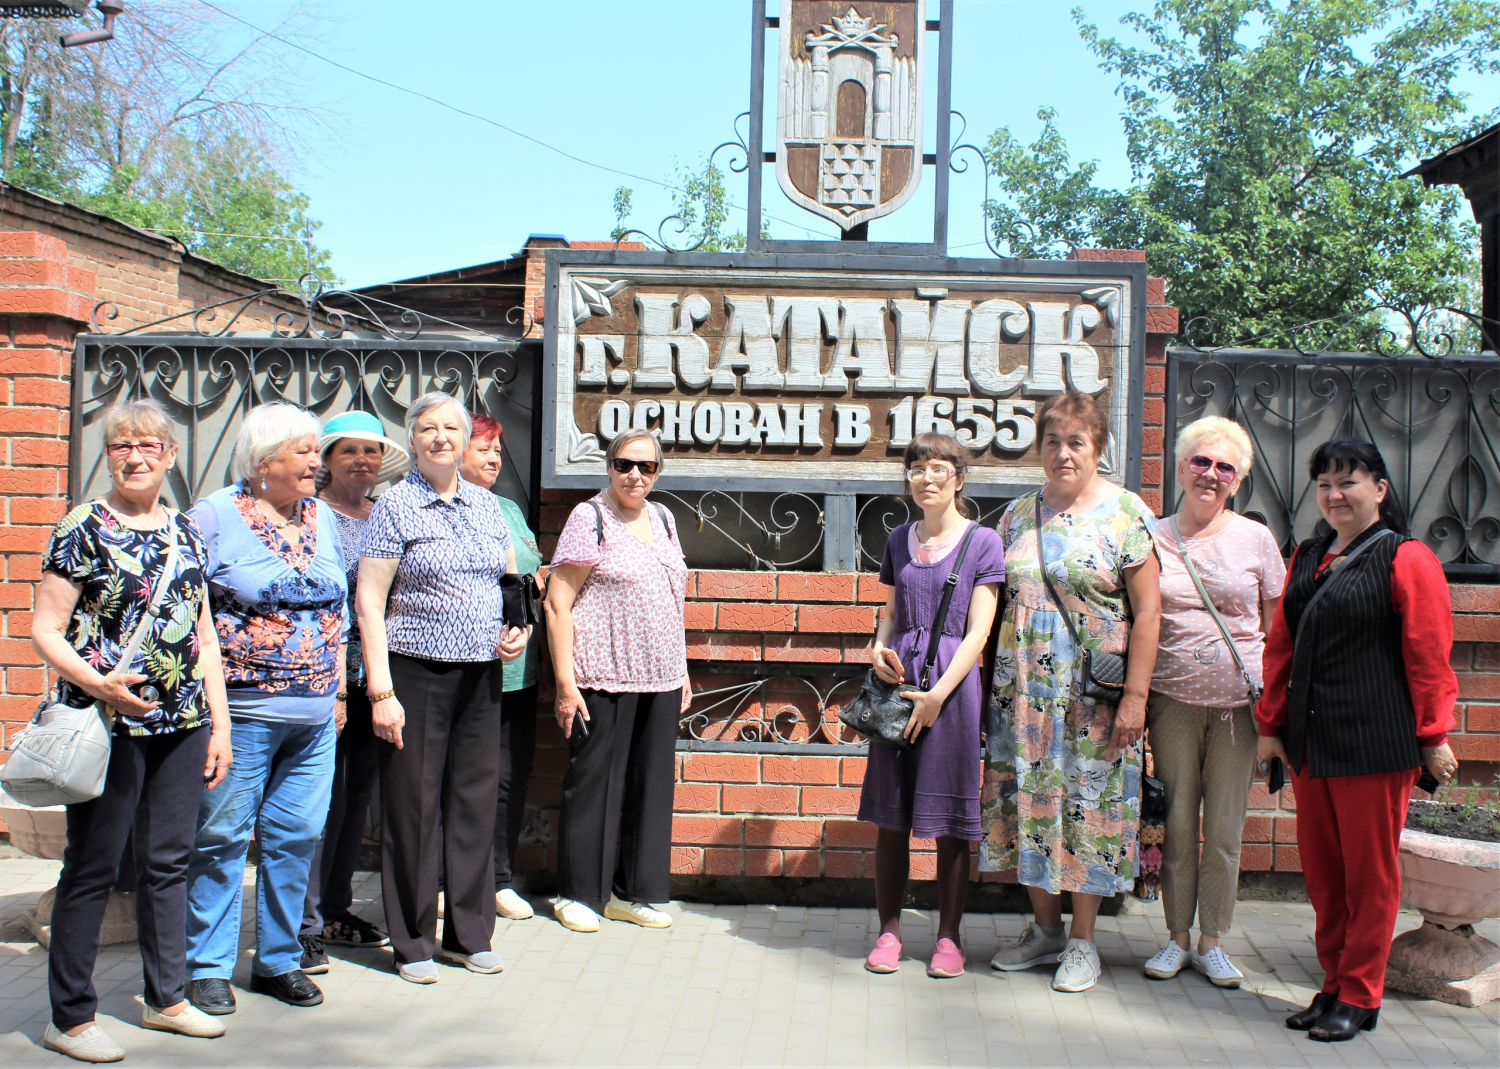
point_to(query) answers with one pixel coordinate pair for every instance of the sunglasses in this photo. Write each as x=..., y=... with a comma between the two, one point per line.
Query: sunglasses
x=1201, y=465
x=622, y=466
x=147, y=449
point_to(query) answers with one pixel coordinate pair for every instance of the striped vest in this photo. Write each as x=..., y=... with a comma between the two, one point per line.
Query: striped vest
x=1349, y=709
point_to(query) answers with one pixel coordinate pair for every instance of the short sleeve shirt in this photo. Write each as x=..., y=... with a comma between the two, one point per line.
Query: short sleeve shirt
x=117, y=568
x=445, y=602
x=1240, y=567
x=628, y=634
x=350, y=532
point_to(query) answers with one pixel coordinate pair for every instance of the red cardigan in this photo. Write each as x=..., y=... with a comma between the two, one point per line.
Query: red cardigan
x=1419, y=594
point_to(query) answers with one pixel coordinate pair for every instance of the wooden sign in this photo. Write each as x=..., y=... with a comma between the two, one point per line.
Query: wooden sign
x=778, y=377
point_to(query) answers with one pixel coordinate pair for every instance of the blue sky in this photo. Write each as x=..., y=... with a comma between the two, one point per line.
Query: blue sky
x=406, y=187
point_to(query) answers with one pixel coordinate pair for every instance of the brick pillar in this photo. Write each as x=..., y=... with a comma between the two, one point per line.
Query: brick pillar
x=43, y=306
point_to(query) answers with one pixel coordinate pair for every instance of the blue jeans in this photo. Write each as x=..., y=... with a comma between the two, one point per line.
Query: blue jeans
x=277, y=787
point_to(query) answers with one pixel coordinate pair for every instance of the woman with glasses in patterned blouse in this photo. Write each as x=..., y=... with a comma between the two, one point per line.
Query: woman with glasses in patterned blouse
x=435, y=637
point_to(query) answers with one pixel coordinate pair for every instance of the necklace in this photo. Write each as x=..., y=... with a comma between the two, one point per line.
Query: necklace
x=295, y=521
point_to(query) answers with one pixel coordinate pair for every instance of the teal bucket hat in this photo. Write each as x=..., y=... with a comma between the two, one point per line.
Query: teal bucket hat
x=364, y=426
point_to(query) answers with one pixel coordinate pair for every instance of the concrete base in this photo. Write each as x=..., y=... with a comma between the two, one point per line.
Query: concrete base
x=118, y=926
x=1450, y=965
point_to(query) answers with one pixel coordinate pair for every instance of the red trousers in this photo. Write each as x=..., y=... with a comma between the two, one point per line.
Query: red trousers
x=1349, y=835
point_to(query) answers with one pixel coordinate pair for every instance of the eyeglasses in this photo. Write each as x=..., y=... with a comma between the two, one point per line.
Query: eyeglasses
x=932, y=475
x=147, y=449
x=1201, y=465
x=622, y=466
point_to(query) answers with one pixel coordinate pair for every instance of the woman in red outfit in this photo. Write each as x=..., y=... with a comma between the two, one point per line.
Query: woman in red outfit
x=1359, y=697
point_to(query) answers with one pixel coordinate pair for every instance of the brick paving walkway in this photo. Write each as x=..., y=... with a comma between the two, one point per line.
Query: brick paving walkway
x=758, y=985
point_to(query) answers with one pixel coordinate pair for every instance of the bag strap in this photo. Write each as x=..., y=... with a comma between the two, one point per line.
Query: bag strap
x=951, y=583
x=1336, y=569
x=1047, y=579
x=661, y=514
x=1192, y=570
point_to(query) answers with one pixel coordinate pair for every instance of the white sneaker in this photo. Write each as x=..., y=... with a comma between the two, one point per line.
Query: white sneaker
x=188, y=1021
x=512, y=906
x=1079, y=968
x=486, y=962
x=1218, y=968
x=90, y=1045
x=417, y=972
x=1035, y=947
x=637, y=913
x=1167, y=962
x=575, y=916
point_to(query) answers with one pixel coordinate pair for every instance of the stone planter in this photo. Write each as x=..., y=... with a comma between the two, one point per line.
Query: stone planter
x=1454, y=883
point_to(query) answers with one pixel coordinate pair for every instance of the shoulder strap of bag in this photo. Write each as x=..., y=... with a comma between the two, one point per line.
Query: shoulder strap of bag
x=925, y=683
x=598, y=521
x=1377, y=537
x=1047, y=579
x=158, y=594
x=1192, y=570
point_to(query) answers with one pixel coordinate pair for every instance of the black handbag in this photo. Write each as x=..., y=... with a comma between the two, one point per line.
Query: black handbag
x=1103, y=674
x=881, y=710
x=521, y=601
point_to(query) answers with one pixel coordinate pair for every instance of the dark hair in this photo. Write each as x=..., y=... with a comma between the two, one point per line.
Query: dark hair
x=929, y=445
x=1354, y=454
x=486, y=428
x=1075, y=407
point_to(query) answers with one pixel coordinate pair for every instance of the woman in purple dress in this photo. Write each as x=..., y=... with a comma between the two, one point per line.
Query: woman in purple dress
x=932, y=790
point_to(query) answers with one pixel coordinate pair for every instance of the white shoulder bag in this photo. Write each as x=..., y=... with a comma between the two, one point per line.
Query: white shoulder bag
x=62, y=756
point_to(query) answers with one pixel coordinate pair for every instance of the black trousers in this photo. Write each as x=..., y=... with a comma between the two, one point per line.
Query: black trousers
x=356, y=768
x=153, y=787
x=447, y=770
x=615, y=832
x=517, y=752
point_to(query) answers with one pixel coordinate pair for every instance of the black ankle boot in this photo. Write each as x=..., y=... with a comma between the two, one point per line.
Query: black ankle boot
x=1322, y=1002
x=1344, y=1022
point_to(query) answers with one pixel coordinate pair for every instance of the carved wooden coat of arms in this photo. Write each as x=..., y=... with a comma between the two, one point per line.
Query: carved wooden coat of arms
x=849, y=111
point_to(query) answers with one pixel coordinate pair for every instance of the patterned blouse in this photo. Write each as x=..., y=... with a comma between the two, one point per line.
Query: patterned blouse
x=350, y=532
x=117, y=567
x=628, y=630
x=445, y=601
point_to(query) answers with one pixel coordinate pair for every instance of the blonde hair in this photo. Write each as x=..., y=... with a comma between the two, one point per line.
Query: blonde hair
x=1215, y=429
x=141, y=418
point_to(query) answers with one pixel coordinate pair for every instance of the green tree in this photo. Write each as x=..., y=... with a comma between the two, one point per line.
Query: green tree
x=1266, y=139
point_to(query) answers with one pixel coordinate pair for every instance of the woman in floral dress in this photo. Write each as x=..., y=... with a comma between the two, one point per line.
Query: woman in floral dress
x=1062, y=777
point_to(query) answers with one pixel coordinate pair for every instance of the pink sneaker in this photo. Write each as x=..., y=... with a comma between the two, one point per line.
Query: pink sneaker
x=947, y=960
x=886, y=957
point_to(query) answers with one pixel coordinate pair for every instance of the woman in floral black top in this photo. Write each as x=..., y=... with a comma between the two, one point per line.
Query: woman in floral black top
x=100, y=571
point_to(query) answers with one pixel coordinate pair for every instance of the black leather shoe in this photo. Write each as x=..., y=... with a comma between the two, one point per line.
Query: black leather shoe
x=293, y=988
x=1344, y=1022
x=213, y=995
x=1322, y=1002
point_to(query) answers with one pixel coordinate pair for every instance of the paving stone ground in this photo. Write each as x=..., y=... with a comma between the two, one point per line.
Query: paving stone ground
x=757, y=986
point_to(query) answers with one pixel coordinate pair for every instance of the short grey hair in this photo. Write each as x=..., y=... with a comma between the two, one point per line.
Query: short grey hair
x=265, y=430
x=425, y=404
x=1216, y=429
x=140, y=418
x=635, y=434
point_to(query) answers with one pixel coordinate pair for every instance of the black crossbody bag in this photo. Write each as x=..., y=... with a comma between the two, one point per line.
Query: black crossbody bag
x=1103, y=674
x=881, y=710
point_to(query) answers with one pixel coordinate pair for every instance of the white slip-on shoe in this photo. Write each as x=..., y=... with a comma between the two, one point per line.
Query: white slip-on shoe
x=418, y=972
x=637, y=913
x=1035, y=947
x=1078, y=969
x=90, y=1045
x=575, y=916
x=486, y=962
x=1218, y=968
x=189, y=1021
x=1167, y=962
x=512, y=906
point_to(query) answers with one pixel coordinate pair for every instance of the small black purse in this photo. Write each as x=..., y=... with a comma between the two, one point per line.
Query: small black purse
x=881, y=711
x=1102, y=675
x=521, y=601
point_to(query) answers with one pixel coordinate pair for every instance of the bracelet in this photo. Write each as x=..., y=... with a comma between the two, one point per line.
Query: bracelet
x=341, y=696
x=382, y=696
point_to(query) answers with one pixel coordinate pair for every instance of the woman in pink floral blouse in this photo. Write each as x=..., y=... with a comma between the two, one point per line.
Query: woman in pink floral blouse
x=615, y=617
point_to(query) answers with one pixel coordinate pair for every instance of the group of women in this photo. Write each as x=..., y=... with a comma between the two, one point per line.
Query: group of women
x=314, y=641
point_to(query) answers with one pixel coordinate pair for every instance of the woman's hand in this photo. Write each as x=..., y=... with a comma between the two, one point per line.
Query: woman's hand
x=1440, y=762
x=340, y=715
x=388, y=719
x=114, y=691
x=687, y=697
x=513, y=643
x=927, y=707
x=220, y=757
x=568, y=705
x=1267, y=749
x=887, y=665
x=1130, y=724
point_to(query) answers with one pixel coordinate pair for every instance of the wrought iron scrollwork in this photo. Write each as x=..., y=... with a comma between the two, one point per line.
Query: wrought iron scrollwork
x=961, y=166
x=1421, y=337
x=739, y=150
x=797, y=711
x=774, y=532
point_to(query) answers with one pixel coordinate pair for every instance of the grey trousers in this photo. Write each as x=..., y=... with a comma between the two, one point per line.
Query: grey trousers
x=1206, y=765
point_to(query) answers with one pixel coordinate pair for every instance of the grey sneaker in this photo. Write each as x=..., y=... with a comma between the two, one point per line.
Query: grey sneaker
x=485, y=962
x=1078, y=970
x=1035, y=947
x=417, y=972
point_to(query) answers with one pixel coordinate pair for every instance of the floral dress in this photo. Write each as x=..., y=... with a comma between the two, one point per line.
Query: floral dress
x=1052, y=806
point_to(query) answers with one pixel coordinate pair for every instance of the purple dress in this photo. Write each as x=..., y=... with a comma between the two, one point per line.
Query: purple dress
x=933, y=789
